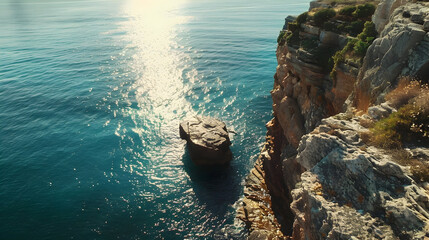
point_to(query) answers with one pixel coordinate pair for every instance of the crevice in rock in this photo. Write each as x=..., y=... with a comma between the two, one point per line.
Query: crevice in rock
x=423, y=73
x=280, y=194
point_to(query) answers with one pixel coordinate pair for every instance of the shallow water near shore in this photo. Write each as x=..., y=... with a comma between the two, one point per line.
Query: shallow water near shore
x=91, y=96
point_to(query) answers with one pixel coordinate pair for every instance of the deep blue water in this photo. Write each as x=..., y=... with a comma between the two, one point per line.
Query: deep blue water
x=91, y=95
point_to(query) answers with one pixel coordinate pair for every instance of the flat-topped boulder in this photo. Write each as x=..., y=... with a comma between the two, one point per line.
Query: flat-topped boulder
x=208, y=140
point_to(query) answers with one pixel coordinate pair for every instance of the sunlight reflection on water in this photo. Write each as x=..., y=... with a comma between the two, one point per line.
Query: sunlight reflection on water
x=158, y=66
x=92, y=94
x=164, y=77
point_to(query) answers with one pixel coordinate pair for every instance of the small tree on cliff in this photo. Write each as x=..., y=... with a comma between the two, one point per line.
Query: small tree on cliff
x=323, y=15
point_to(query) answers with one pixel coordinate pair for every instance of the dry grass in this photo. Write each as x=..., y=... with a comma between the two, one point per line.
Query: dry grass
x=366, y=123
x=410, y=124
x=366, y=137
x=362, y=102
x=406, y=90
x=418, y=168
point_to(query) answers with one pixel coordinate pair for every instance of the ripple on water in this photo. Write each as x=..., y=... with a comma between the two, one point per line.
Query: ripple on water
x=91, y=97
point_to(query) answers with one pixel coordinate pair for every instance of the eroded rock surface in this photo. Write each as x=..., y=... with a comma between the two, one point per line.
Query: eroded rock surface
x=208, y=140
x=352, y=190
x=332, y=184
x=399, y=50
x=384, y=11
x=264, y=194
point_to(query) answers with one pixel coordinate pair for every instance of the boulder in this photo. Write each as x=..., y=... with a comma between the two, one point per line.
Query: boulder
x=208, y=140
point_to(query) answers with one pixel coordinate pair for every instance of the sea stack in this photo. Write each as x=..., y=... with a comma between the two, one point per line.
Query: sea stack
x=207, y=139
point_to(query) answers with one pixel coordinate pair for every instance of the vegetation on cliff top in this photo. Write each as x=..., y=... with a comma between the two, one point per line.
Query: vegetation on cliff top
x=348, y=20
x=323, y=15
x=356, y=48
x=411, y=122
x=409, y=125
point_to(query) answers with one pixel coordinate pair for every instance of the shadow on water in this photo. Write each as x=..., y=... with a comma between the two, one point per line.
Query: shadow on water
x=217, y=188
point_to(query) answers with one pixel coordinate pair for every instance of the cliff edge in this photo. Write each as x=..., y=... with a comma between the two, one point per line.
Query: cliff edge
x=348, y=75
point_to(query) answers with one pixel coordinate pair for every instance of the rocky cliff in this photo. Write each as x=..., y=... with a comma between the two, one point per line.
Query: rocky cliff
x=402, y=48
x=316, y=177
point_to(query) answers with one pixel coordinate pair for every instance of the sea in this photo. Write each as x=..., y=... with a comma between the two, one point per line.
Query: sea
x=91, y=96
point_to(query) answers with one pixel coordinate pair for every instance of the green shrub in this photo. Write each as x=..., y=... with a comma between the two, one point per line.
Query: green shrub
x=360, y=48
x=355, y=27
x=364, y=11
x=340, y=55
x=342, y=27
x=280, y=38
x=330, y=26
x=348, y=11
x=356, y=47
x=323, y=55
x=309, y=44
x=366, y=37
x=293, y=26
x=302, y=18
x=368, y=32
x=323, y=15
x=293, y=39
x=409, y=124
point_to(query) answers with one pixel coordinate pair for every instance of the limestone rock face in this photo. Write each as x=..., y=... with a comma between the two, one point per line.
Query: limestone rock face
x=418, y=62
x=261, y=190
x=350, y=190
x=400, y=49
x=317, y=4
x=303, y=91
x=302, y=95
x=384, y=10
x=208, y=140
x=289, y=114
x=343, y=85
x=331, y=184
x=331, y=38
x=299, y=92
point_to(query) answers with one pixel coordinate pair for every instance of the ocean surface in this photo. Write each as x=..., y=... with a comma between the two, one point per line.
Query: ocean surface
x=91, y=96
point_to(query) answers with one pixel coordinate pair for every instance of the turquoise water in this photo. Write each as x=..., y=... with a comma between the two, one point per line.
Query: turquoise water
x=91, y=95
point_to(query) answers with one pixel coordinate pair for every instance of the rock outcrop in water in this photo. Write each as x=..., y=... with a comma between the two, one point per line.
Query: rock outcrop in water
x=316, y=178
x=207, y=139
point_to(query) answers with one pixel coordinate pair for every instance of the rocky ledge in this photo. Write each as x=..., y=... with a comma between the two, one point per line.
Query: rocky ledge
x=351, y=189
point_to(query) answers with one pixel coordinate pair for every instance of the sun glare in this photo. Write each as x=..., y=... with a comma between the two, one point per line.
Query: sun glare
x=158, y=62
